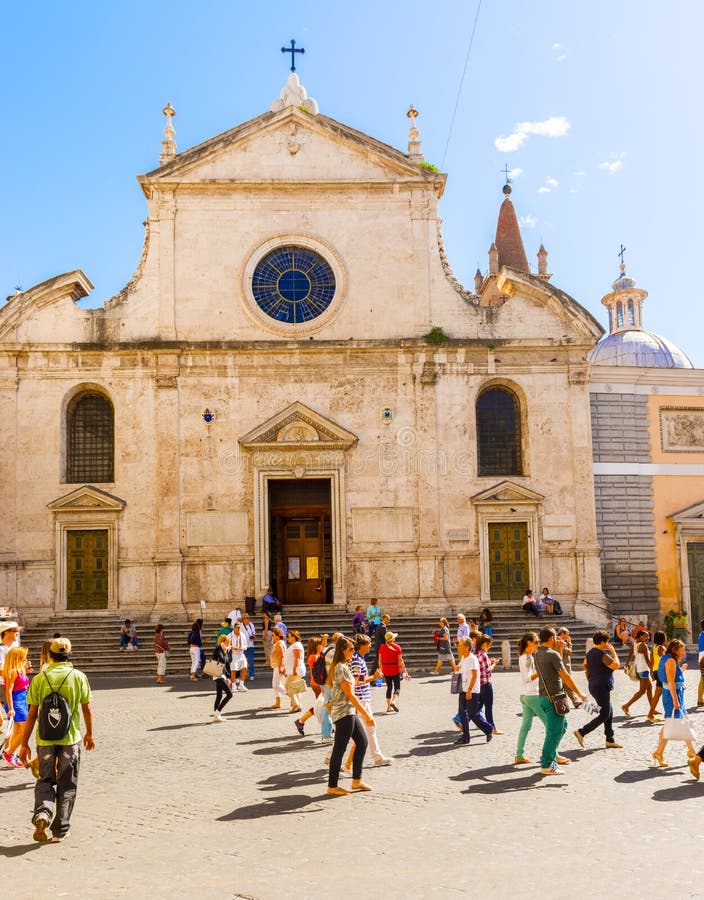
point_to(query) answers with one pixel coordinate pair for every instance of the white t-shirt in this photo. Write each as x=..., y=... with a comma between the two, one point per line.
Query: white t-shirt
x=529, y=686
x=288, y=659
x=234, y=616
x=469, y=664
x=250, y=631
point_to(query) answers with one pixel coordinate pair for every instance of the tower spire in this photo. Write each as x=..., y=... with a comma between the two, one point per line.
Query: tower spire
x=415, y=151
x=508, y=241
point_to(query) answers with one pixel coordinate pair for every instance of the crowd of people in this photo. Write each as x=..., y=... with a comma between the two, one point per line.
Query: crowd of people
x=340, y=671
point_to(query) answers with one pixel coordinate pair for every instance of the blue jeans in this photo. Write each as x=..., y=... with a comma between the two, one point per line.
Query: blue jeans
x=326, y=722
x=249, y=652
x=125, y=639
x=486, y=695
x=55, y=791
x=469, y=710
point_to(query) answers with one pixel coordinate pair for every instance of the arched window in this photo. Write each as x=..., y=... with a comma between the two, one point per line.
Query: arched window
x=619, y=315
x=499, y=432
x=630, y=312
x=90, y=439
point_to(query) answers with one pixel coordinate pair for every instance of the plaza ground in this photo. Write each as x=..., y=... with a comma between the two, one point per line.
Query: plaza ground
x=172, y=806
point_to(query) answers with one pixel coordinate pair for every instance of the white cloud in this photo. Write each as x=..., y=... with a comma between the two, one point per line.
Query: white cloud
x=579, y=174
x=556, y=46
x=612, y=166
x=561, y=52
x=513, y=174
x=555, y=126
x=543, y=190
x=561, y=58
x=550, y=185
x=528, y=221
x=552, y=182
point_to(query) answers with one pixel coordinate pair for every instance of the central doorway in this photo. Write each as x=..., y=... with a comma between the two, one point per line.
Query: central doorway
x=508, y=560
x=300, y=564
x=87, y=569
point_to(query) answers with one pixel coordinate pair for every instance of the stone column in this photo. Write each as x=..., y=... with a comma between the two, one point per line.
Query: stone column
x=9, y=383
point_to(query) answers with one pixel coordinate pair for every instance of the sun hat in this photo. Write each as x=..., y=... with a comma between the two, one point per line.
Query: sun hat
x=390, y=636
x=8, y=626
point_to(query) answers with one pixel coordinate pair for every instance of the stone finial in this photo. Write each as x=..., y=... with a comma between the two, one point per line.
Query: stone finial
x=478, y=279
x=168, y=145
x=294, y=94
x=415, y=151
x=543, y=262
x=493, y=259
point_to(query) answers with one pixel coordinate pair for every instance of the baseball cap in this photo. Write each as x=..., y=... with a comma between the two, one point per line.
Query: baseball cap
x=61, y=646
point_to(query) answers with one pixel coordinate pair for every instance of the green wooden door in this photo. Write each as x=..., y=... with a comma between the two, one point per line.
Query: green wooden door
x=508, y=560
x=87, y=570
x=695, y=563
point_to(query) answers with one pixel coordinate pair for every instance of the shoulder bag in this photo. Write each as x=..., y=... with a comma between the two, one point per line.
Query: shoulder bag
x=456, y=683
x=558, y=700
x=678, y=729
x=214, y=668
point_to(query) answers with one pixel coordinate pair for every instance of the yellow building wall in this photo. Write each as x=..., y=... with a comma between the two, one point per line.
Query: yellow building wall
x=671, y=494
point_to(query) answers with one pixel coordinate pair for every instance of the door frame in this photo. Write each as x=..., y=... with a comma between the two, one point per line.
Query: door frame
x=85, y=509
x=506, y=502
x=508, y=524
x=262, y=518
x=689, y=528
x=303, y=514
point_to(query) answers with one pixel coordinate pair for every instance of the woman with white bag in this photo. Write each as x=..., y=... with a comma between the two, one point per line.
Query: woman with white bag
x=676, y=727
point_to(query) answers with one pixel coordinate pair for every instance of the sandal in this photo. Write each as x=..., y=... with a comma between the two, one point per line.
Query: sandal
x=337, y=792
x=360, y=786
x=659, y=760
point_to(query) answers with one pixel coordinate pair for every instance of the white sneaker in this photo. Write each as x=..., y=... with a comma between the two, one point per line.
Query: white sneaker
x=242, y=686
x=217, y=717
x=383, y=761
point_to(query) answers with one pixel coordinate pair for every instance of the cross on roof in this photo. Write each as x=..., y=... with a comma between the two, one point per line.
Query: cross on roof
x=621, y=252
x=293, y=49
x=506, y=171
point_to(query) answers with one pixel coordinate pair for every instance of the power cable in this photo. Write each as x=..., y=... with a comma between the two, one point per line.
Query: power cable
x=459, y=92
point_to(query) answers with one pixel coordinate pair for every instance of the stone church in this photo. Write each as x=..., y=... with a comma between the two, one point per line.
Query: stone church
x=294, y=391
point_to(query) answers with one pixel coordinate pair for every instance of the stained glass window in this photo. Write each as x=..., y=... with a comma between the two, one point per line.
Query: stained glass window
x=293, y=285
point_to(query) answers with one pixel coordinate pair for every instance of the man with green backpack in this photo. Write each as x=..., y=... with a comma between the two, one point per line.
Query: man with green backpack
x=54, y=698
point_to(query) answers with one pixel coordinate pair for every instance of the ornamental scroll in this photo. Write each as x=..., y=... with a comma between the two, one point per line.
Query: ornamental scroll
x=682, y=430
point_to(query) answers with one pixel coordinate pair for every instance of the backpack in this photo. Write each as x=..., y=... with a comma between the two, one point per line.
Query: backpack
x=556, y=608
x=319, y=672
x=54, y=713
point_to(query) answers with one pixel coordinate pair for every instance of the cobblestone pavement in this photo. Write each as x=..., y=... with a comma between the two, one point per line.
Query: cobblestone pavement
x=171, y=806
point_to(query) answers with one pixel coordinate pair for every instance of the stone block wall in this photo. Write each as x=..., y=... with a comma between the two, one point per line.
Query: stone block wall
x=620, y=428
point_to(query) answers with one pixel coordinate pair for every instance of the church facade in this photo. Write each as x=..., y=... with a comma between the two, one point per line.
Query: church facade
x=294, y=391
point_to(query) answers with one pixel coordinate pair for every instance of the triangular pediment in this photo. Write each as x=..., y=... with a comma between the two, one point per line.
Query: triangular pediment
x=690, y=514
x=87, y=498
x=298, y=427
x=288, y=146
x=507, y=492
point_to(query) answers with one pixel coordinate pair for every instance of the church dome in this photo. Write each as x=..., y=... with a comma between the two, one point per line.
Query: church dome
x=628, y=343
x=639, y=348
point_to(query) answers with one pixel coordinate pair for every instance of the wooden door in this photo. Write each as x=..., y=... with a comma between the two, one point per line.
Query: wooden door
x=695, y=564
x=87, y=570
x=508, y=560
x=302, y=571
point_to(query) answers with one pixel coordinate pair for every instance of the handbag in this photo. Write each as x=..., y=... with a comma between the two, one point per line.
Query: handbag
x=456, y=683
x=5, y=727
x=295, y=684
x=559, y=700
x=214, y=668
x=630, y=670
x=678, y=729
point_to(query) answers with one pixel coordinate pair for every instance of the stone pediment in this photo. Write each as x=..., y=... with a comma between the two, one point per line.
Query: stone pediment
x=87, y=499
x=689, y=515
x=290, y=145
x=507, y=492
x=296, y=427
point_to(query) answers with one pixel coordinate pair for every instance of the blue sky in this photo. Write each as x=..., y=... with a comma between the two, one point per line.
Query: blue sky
x=598, y=104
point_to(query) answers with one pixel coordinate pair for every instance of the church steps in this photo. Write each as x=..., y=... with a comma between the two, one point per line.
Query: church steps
x=96, y=639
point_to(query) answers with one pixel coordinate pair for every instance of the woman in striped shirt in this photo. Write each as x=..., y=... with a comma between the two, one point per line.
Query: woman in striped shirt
x=363, y=692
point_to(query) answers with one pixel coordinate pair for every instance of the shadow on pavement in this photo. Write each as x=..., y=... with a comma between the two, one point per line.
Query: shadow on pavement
x=513, y=784
x=294, y=743
x=285, y=781
x=24, y=786
x=632, y=776
x=180, y=726
x=20, y=849
x=488, y=772
x=286, y=804
x=687, y=791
